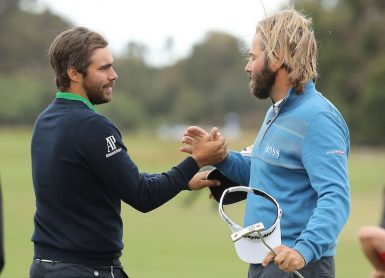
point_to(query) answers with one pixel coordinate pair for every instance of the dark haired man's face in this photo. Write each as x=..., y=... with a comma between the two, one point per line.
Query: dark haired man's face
x=100, y=77
x=262, y=78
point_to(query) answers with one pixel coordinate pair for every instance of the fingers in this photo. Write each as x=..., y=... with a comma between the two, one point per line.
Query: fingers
x=187, y=140
x=268, y=258
x=195, y=132
x=205, y=148
x=211, y=183
x=279, y=259
x=202, y=175
x=286, y=258
x=200, y=181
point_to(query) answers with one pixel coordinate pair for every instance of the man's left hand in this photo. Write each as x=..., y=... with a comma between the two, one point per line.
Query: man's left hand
x=287, y=259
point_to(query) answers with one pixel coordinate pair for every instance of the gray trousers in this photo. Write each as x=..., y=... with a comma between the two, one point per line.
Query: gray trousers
x=41, y=269
x=323, y=268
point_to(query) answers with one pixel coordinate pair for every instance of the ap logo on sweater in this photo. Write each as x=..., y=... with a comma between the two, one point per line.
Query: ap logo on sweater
x=111, y=147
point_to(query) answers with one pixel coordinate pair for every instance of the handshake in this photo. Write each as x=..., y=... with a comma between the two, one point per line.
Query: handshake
x=206, y=149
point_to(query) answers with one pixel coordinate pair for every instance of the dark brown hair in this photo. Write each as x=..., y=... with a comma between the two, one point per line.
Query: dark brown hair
x=73, y=48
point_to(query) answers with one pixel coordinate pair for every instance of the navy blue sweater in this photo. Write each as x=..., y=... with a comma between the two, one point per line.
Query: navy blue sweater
x=81, y=173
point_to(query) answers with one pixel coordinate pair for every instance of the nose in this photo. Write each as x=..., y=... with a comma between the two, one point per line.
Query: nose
x=248, y=67
x=113, y=75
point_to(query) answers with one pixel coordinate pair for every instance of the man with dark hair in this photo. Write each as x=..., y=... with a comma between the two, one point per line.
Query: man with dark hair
x=81, y=170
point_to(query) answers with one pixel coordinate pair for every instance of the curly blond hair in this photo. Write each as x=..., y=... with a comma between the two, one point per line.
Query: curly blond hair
x=288, y=35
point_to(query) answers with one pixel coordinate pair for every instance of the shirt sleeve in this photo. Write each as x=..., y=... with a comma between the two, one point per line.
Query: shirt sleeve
x=325, y=158
x=236, y=167
x=107, y=158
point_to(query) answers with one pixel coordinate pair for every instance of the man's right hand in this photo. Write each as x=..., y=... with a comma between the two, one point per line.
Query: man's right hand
x=206, y=148
x=200, y=181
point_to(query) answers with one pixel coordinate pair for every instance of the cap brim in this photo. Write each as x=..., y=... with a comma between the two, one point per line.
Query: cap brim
x=253, y=251
x=226, y=183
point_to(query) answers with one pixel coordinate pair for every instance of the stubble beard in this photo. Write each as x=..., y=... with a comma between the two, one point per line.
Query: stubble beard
x=95, y=92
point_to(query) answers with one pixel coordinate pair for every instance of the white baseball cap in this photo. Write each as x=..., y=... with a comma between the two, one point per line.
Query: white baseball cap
x=248, y=244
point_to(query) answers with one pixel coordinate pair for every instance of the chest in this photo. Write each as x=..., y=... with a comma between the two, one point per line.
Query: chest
x=279, y=142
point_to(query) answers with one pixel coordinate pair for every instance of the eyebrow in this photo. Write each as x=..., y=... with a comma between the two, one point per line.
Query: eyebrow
x=106, y=66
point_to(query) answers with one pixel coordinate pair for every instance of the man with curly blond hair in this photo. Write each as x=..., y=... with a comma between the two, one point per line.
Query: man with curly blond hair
x=300, y=156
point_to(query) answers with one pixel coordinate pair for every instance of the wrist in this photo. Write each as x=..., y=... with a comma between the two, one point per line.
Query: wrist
x=198, y=161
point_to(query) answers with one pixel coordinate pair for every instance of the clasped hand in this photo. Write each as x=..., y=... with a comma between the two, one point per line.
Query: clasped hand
x=206, y=148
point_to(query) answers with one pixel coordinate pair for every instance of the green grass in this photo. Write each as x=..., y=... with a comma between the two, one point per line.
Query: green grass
x=177, y=240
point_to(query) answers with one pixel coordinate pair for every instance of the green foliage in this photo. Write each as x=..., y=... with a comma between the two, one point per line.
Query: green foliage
x=210, y=83
x=25, y=38
x=127, y=112
x=373, y=97
x=26, y=92
x=351, y=61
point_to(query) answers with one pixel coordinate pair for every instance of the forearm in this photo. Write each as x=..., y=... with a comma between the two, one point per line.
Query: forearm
x=146, y=193
x=236, y=167
x=323, y=227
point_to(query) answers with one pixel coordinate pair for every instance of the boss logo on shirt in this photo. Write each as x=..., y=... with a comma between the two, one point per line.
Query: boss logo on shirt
x=272, y=152
x=111, y=147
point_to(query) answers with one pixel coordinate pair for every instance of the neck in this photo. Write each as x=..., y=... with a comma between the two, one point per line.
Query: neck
x=281, y=86
x=75, y=89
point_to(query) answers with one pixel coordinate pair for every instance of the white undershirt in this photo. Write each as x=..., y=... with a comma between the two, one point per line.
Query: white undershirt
x=276, y=106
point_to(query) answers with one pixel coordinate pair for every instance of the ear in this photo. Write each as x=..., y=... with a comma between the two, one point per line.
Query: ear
x=73, y=74
x=276, y=62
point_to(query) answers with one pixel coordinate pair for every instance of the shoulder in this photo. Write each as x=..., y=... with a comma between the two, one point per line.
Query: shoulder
x=313, y=107
x=93, y=126
x=310, y=109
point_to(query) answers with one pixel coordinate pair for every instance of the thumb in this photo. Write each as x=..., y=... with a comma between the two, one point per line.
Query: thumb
x=186, y=149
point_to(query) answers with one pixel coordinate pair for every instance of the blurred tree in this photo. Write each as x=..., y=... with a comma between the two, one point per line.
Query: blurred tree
x=205, y=86
x=351, y=42
x=372, y=119
x=169, y=49
x=216, y=72
x=26, y=80
x=135, y=85
x=21, y=99
x=7, y=6
x=25, y=37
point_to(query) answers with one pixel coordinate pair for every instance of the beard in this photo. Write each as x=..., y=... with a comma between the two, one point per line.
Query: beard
x=95, y=91
x=263, y=82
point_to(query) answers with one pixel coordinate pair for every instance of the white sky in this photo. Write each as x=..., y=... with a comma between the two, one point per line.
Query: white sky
x=151, y=22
